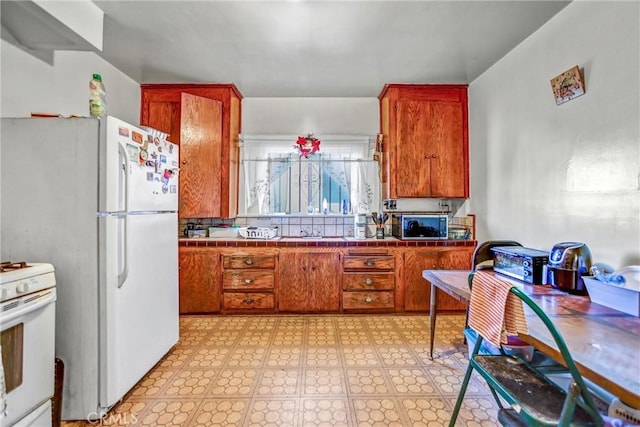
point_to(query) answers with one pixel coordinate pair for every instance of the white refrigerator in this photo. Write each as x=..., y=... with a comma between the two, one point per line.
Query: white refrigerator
x=98, y=199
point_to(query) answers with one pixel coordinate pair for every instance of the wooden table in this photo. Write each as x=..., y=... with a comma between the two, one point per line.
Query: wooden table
x=604, y=343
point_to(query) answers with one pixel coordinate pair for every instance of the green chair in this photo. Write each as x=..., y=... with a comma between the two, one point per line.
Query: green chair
x=539, y=401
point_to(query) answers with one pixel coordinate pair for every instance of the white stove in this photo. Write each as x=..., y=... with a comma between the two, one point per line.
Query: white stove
x=27, y=322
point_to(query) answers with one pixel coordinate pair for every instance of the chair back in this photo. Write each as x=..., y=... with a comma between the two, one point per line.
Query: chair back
x=483, y=253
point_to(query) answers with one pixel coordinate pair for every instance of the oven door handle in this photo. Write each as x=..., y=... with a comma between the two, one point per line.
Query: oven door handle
x=27, y=308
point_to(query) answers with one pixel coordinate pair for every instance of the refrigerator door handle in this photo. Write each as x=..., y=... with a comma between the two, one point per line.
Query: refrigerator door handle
x=123, y=201
x=123, y=249
x=123, y=182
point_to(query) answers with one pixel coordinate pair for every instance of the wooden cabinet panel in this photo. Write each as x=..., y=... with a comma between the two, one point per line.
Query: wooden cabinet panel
x=416, y=289
x=200, y=151
x=324, y=282
x=248, y=279
x=199, y=277
x=309, y=282
x=162, y=108
x=425, y=134
x=248, y=300
x=454, y=260
x=368, y=262
x=368, y=281
x=368, y=300
x=249, y=261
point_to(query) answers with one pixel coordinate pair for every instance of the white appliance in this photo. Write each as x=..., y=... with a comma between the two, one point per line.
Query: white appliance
x=98, y=199
x=27, y=321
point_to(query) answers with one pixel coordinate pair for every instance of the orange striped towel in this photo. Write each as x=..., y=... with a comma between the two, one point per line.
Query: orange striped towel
x=494, y=312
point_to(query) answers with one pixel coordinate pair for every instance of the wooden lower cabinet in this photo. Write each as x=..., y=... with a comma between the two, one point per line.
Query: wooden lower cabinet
x=248, y=281
x=368, y=282
x=309, y=281
x=417, y=291
x=327, y=280
x=199, y=278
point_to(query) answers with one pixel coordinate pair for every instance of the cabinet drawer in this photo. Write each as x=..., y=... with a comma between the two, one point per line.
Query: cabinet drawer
x=248, y=279
x=367, y=300
x=248, y=261
x=248, y=300
x=373, y=262
x=366, y=281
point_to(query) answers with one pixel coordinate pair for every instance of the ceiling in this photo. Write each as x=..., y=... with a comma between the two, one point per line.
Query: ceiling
x=315, y=48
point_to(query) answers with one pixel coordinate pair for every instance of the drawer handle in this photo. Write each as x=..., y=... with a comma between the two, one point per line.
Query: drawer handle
x=368, y=281
x=249, y=261
x=248, y=281
x=369, y=263
x=248, y=300
x=368, y=300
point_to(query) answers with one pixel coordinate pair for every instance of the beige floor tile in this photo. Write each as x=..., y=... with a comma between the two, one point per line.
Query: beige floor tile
x=367, y=381
x=190, y=382
x=397, y=356
x=272, y=413
x=307, y=370
x=246, y=357
x=324, y=413
x=220, y=413
x=411, y=381
x=285, y=357
x=360, y=356
x=321, y=336
x=322, y=356
x=209, y=357
x=354, y=337
x=279, y=382
x=234, y=382
x=377, y=413
x=426, y=412
x=169, y=413
x=324, y=382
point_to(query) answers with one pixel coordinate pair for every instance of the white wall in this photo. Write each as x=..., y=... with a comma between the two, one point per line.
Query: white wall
x=542, y=173
x=299, y=116
x=30, y=84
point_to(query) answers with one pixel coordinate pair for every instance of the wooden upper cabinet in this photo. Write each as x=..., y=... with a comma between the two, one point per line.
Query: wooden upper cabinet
x=425, y=138
x=205, y=120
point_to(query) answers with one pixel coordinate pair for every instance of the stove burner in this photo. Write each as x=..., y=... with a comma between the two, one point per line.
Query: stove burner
x=10, y=266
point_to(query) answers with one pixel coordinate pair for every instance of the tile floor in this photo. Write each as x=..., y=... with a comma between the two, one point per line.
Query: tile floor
x=333, y=371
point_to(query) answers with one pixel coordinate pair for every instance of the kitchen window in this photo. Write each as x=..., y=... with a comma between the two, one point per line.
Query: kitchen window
x=275, y=180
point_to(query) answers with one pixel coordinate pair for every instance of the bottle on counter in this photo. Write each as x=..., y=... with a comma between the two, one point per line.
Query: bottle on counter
x=97, y=97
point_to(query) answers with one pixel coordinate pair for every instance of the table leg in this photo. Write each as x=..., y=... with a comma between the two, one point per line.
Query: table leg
x=432, y=317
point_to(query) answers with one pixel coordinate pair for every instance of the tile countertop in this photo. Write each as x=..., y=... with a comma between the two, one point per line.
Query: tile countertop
x=287, y=242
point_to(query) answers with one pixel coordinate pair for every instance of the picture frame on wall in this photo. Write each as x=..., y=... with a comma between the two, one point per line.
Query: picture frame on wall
x=568, y=85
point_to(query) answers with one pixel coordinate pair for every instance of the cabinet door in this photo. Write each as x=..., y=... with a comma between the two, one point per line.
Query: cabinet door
x=200, y=157
x=412, y=172
x=459, y=259
x=430, y=154
x=323, y=282
x=447, y=164
x=199, y=276
x=292, y=281
x=416, y=289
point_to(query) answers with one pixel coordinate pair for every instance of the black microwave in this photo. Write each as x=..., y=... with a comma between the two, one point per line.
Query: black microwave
x=420, y=227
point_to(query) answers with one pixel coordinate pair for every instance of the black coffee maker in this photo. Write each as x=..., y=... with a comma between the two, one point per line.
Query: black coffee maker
x=568, y=262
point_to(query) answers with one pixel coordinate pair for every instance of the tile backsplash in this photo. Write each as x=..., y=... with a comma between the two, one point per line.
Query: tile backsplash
x=317, y=225
x=288, y=226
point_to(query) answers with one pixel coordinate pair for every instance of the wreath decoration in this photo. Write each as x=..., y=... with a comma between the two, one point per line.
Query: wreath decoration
x=307, y=145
